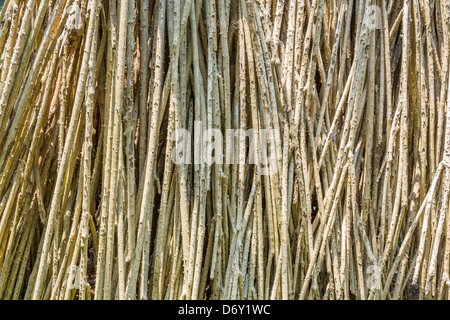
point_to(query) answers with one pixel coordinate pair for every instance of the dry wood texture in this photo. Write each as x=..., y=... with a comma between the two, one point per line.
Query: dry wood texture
x=102, y=198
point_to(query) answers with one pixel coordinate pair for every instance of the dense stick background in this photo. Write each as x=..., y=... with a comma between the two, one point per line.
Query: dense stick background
x=92, y=93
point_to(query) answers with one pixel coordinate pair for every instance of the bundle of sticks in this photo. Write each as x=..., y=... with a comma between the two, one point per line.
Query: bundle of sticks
x=221, y=149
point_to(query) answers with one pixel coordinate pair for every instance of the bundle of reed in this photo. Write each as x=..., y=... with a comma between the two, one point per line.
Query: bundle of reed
x=221, y=149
